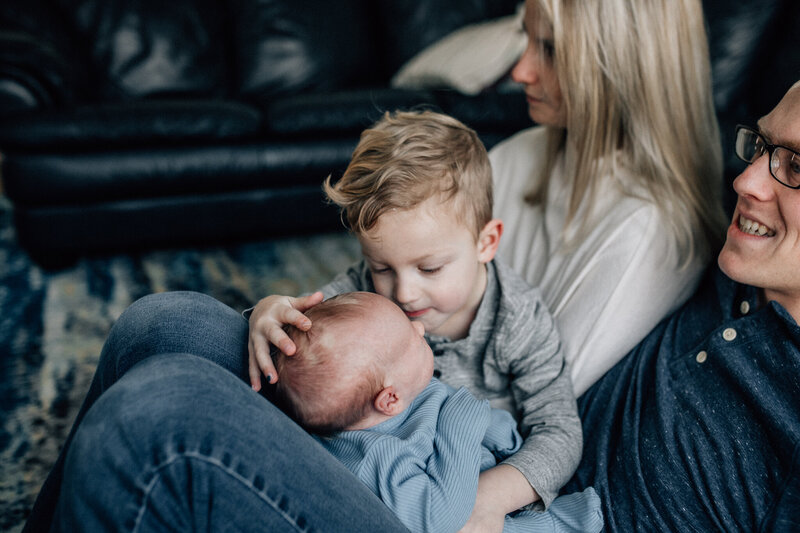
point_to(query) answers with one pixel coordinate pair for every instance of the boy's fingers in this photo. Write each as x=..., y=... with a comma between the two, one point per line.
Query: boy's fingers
x=261, y=358
x=304, y=303
x=254, y=372
x=296, y=319
x=281, y=340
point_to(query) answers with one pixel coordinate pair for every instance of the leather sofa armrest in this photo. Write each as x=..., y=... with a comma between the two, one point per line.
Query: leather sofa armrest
x=32, y=74
x=39, y=63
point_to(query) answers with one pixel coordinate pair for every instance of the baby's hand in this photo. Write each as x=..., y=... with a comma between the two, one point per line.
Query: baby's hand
x=266, y=327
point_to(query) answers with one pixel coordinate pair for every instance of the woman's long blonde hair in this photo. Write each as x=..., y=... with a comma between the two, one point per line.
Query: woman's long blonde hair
x=635, y=77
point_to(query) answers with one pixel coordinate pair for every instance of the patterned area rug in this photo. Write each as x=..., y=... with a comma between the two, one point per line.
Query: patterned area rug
x=53, y=324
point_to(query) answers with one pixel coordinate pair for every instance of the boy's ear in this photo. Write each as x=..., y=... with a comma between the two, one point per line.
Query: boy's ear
x=387, y=401
x=489, y=240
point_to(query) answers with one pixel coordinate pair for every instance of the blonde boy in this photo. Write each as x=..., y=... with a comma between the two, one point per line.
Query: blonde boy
x=418, y=196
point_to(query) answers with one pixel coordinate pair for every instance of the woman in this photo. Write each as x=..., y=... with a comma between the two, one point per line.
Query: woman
x=611, y=209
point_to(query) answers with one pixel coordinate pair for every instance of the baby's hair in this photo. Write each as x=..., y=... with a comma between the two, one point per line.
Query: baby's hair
x=408, y=157
x=322, y=387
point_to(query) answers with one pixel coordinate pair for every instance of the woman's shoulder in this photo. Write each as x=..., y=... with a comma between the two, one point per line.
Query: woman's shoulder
x=523, y=144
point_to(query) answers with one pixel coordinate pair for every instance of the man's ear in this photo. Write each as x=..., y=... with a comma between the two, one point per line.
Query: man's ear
x=489, y=240
x=387, y=401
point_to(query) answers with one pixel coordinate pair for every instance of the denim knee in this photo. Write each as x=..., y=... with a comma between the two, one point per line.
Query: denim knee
x=177, y=436
x=176, y=322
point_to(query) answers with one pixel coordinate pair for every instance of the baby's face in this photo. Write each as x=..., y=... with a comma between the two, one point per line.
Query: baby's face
x=413, y=367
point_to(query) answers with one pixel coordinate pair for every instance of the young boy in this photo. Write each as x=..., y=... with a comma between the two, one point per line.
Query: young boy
x=418, y=196
x=361, y=381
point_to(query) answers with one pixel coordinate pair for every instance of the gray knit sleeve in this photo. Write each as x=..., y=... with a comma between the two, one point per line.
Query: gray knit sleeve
x=355, y=278
x=542, y=392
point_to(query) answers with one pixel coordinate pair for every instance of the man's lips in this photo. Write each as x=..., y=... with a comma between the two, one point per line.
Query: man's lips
x=416, y=314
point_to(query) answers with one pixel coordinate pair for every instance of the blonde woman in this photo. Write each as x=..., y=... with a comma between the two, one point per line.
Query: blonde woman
x=612, y=205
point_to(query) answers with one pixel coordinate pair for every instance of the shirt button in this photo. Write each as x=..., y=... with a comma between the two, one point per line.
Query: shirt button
x=744, y=307
x=729, y=334
x=701, y=357
x=437, y=374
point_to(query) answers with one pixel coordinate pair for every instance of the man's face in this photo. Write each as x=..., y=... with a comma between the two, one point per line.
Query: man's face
x=763, y=241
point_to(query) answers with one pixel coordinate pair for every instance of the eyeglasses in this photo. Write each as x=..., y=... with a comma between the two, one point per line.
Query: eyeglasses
x=784, y=164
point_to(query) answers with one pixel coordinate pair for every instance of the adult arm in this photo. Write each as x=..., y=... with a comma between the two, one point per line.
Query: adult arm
x=622, y=291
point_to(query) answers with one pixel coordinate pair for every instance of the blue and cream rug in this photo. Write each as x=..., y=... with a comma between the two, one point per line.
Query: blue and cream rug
x=53, y=324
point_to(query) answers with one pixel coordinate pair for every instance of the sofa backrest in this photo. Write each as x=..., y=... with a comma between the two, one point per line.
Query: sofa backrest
x=255, y=48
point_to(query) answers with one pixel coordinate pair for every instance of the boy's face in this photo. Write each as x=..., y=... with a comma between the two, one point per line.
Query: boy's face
x=430, y=265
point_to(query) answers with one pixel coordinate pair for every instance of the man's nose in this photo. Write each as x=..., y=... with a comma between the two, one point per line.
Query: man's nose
x=755, y=180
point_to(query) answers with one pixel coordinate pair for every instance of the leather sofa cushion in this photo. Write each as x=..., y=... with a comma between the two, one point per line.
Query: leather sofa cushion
x=344, y=113
x=126, y=174
x=283, y=47
x=142, y=123
x=142, y=48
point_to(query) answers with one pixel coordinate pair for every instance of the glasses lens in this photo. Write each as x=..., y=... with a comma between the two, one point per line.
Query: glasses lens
x=785, y=166
x=748, y=145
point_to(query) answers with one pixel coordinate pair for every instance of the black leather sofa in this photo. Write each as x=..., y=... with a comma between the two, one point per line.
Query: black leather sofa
x=147, y=123
x=144, y=123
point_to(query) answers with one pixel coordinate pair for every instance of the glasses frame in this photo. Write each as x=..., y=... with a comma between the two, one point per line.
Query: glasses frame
x=769, y=149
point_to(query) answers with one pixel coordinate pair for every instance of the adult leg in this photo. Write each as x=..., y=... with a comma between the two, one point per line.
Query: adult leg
x=174, y=322
x=178, y=444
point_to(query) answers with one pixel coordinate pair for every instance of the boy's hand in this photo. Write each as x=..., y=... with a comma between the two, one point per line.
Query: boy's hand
x=266, y=327
x=501, y=490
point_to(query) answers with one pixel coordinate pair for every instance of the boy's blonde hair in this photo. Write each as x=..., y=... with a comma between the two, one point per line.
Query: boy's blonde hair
x=636, y=82
x=408, y=157
x=327, y=387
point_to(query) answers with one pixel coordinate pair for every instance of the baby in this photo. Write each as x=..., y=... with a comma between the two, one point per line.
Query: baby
x=361, y=381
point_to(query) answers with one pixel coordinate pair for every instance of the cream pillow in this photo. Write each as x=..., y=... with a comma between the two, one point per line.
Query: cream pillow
x=469, y=59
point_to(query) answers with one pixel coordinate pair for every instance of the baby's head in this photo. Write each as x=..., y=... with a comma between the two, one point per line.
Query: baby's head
x=418, y=195
x=361, y=362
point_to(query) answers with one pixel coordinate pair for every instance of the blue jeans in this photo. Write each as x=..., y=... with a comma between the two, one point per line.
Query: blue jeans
x=171, y=437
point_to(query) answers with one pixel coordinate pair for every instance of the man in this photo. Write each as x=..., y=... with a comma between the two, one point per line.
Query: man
x=698, y=429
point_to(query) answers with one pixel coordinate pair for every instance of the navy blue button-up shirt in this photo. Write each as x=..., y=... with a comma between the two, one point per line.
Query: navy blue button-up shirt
x=698, y=428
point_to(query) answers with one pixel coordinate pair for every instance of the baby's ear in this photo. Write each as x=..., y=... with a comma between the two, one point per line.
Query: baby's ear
x=387, y=401
x=489, y=240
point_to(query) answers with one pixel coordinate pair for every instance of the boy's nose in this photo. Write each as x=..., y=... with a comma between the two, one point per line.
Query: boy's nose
x=405, y=291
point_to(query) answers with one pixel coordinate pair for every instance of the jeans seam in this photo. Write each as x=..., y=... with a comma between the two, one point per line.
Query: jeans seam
x=155, y=472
